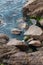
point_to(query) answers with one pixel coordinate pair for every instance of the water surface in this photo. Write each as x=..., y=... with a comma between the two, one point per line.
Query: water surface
x=10, y=13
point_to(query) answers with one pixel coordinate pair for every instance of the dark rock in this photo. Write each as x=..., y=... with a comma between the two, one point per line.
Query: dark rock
x=33, y=8
x=20, y=44
x=20, y=58
x=3, y=38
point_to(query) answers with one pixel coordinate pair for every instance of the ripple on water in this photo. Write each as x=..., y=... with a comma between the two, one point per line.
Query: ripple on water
x=11, y=11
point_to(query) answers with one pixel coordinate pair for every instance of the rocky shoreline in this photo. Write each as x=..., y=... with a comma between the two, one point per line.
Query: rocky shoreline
x=28, y=51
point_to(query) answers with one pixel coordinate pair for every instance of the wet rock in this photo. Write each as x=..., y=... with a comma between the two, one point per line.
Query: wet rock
x=34, y=32
x=16, y=31
x=17, y=43
x=23, y=25
x=33, y=8
x=20, y=20
x=3, y=38
x=36, y=43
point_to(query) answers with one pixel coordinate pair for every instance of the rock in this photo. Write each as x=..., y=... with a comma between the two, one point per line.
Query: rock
x=30, y=39
x=34, y=32
x=3, y=38
x=41, y=38
x=36, y=43
x=27, y=38
x=3, y=41
x=38, y=24
x=20, y=20
x=23, y=25
x=14, y=42
x=33, y=21
x=40, y=48
x=33, y=8
x=41, y=22
x=17, y=43
x=16, y=31
x=28, y=2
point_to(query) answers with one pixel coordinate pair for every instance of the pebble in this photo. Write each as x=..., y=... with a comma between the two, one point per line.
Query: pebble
x=16, y=31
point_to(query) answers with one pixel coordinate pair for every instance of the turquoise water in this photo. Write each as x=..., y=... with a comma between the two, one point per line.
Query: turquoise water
x=10, y=13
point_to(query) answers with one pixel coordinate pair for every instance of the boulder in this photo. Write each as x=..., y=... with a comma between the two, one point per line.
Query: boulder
x=34, y=32
x=13, y=56
x=33, y=8
x=3, y=38
x=17, y=43
x=16, y=31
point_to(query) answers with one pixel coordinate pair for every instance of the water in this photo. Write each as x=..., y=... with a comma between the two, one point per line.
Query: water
x=10, y=13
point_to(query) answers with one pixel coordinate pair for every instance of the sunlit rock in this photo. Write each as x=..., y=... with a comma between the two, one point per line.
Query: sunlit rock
x=33, y=8
x=35, y=32
x=28, y=2
x=36, y=43
x=16, y=31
